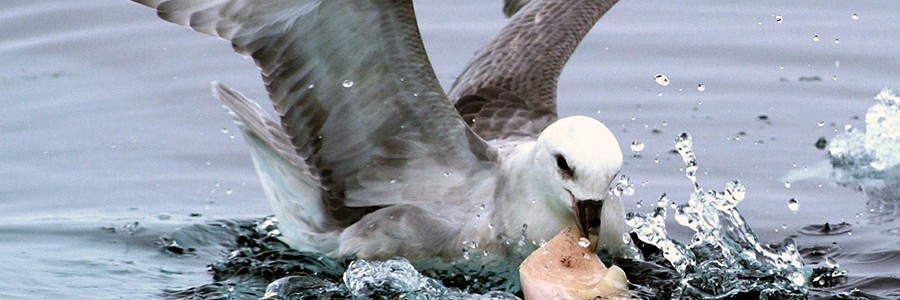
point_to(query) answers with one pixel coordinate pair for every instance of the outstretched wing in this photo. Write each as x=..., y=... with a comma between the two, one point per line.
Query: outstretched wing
x=355, y=92
x=524, y=61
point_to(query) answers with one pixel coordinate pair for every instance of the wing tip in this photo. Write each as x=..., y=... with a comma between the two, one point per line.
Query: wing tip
x=230, y=97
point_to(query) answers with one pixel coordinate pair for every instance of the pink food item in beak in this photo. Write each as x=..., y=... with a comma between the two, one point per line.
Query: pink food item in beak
x=563, y=269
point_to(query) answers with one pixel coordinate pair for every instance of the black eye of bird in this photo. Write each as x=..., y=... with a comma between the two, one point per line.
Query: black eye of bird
x=564, y=166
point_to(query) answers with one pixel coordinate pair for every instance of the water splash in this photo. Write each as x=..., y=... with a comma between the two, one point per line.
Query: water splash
x=878, y=148
x=398, y=279
x=724, y=258
x=868, y=160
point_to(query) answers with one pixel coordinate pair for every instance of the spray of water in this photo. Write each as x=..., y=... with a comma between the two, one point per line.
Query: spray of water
x=724, y=258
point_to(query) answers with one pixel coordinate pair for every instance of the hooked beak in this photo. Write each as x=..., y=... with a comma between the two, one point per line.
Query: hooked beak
x=587, y=217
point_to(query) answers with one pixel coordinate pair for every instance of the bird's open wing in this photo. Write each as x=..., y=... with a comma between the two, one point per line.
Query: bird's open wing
x=523, y=62
x=355, y=92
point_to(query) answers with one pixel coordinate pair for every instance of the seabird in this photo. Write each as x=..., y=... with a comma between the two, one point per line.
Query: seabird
x=370, y=157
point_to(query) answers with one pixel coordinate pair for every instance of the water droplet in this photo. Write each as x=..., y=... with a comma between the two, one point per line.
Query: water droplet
x=854, y=17
x=637, y=146
x=347, y=83
x=833, y=77
x=821, y=123
x=837, y=41
x=228, y=192
x=787, y=184
x=446, y=174
x=583, y=242
x=639, y=203
x=779, y=19
x=700, y=88
x=310, y=86
x=662, y=80
x=793, y=204
x=815, y=38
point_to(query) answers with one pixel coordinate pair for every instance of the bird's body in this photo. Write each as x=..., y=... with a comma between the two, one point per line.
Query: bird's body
x=371, y=158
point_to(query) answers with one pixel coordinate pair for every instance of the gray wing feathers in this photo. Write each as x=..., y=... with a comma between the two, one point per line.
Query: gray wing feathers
x=495, y=113
x=254, y=122
x=353, y=87
x=528, y=55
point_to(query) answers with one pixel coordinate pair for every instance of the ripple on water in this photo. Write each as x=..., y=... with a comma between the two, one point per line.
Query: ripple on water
x=826, y=229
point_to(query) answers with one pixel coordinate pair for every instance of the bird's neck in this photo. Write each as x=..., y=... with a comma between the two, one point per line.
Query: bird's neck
x=524, y=216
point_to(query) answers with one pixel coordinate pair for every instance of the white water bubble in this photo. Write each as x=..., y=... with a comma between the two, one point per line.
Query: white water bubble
x=584, y=242
x=854, y=17
x=637, y=146
x=347, y=83
x=815, y=38
x=779, y=19
x=662, y=80
x=701, y=87
x=793, y=204
x=837, y=41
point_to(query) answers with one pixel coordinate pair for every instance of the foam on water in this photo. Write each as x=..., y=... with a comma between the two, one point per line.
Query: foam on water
x=870, y=160
x=867, y=159
x=877, y=149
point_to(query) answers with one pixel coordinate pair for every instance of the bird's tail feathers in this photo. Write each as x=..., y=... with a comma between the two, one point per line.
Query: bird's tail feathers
x=293, y=194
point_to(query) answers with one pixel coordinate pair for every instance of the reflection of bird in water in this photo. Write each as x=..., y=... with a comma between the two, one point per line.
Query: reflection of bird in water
x=372, y=158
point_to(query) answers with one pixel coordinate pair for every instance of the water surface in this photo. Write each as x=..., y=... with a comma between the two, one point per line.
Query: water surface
x=110, y=140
